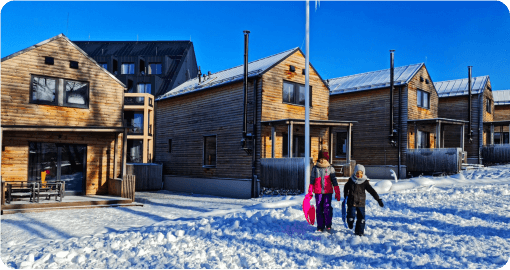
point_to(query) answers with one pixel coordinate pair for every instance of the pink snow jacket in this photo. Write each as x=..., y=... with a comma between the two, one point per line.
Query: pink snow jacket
x=323, y=177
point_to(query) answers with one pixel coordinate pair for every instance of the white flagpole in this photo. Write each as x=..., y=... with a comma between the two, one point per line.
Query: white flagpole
x=307, y=99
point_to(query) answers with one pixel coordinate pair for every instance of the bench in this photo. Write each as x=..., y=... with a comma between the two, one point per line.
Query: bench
x=19, y=189
x=48, y=189
x=34, y=190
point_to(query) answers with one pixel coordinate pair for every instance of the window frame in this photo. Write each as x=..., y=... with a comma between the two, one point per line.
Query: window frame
x=149, y=70
x=43, y=102
x=64, y=96
x=127, y=63
x=421, y=93
x=145, y=88
x=296, y=93
x=205, y=149
x=428, y=143
x=488, y=106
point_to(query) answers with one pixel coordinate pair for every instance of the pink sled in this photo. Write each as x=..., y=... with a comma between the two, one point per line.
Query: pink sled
x=308, y=209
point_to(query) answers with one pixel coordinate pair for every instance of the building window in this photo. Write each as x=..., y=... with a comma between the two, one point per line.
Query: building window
x=500, y=135
x=210, y=151
x=341, y=144
x=488, y=106
x=298, y=146
x=134, y=121
x=423, y=139
x=154, y=68
x=144, y=88
x=294, y=93
x=73, y=64
x=49, y=60
x=423, y=99
x=44, y=90
x=104, y=65
x=127, y=68
x=76, y=94
x=135, y=151
x=169, y=145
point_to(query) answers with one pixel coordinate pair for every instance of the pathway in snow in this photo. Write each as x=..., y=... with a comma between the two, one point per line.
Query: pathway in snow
x=461, y=221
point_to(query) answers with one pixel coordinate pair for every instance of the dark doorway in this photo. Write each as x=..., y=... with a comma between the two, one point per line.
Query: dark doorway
x=66, y=162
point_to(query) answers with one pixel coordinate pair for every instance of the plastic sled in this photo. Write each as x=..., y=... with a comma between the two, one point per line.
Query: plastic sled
x=308, y=209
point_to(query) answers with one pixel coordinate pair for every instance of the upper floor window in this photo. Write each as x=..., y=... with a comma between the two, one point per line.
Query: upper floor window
x=144, y=88
x=76, y=94
x=488, y=106
x=44, y=90
x=294, y=93
x=127, y=68
x=423, y=99
x=154, y=68
x=104, y=65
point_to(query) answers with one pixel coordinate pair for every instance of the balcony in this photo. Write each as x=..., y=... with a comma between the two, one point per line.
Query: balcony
x=138, y=99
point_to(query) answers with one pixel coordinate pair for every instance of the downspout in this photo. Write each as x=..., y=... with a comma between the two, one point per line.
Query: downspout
x=254, y=139
x=245, y=86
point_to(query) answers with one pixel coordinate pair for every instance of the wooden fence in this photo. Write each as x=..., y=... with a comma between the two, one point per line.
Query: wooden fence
x=149, y=176
x=492, y=154
x=124, y=188
x=434, y=160
x=284, y=173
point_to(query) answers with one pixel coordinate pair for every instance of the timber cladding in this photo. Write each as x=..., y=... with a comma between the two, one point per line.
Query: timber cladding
x=105, y=93
x=501, y=112
x=419, y=82
x=100, y=153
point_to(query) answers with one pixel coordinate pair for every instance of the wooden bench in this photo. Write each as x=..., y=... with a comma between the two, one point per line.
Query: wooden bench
x=34, y=190
x=48, y=189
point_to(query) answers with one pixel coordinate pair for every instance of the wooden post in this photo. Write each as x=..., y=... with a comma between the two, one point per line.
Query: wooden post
x=330, y=131
x=273, y=140
x=438, y=134
x=415, y=135
x=115, y=145
x=348, y=154
x=124, y=151
x=492, y=134
x=462, y=136
x=291, y=127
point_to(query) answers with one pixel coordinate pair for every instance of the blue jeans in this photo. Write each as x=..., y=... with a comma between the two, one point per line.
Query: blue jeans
x=360, y=222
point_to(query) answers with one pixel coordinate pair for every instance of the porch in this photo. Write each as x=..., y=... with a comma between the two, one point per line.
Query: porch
x=426, y=152
x=283, y=146
x=496, y=147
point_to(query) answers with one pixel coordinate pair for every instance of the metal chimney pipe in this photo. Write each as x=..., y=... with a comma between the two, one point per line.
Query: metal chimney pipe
x=245, y=85
x=199, y=75
x=469, y=105
x=391, y=94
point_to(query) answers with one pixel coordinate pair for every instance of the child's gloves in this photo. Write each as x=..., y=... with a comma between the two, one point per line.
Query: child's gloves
x=337, y=193
x=310, y=190
x=381, y=204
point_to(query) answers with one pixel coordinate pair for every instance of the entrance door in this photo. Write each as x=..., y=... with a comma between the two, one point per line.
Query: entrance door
x=64, y=162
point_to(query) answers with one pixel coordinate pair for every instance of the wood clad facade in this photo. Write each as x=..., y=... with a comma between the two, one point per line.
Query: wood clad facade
x=103, y=113
x=502, y=113
x=457, y=107
x=371, y=108
x=185, y=121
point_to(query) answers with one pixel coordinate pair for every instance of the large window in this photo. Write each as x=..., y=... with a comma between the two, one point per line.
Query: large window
x=294, y=93
x=76, y=94
x=498, y=136
x=134, y=121
x=298, y=146
x=423, y=139
x=44, y=90
x=423, y=99
x=135, y=151
x=488, y=106
x=341, y=144
x=144, y=88
x=154, y=68
x=127, y=68
x=210, y=151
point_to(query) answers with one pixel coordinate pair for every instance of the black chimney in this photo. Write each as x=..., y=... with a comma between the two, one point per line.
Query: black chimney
x=199, y=75
x=245, y=86
x=470, y=134
x=392, y=88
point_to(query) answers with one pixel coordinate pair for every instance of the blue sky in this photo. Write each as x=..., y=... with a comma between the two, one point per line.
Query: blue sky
x=345, y=37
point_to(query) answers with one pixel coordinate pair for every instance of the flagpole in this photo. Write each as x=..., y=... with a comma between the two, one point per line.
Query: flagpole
x=307, y=99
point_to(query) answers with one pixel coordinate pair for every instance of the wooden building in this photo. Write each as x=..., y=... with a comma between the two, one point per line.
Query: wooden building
x=454, y=103
x=148, y=69
x=62, y=113
x=365, y=98
x=501, y=113
x=200, y=126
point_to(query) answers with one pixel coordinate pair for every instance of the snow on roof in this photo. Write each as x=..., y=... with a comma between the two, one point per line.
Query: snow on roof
x=372, y=80
x=72, y=44
x=227, y=76
x=459, y=87
x=501, y=97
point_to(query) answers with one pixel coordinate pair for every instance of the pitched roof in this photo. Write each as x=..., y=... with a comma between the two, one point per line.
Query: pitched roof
x=501, y=97
x=255, y=68
x=459, y=87
x=134, y=48
x=71, y=43
x=372, y=80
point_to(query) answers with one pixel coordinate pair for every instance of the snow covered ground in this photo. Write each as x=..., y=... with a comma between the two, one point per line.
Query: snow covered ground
x=460, y=221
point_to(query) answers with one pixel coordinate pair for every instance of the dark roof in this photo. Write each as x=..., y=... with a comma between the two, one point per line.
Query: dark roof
x=134, y=48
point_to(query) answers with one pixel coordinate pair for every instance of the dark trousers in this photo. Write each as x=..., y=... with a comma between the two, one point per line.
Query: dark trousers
x=360, y=221
x=324, y=211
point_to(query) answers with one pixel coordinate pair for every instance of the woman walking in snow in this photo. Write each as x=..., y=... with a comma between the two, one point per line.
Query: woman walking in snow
x=322, y=183
x=354, y=191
